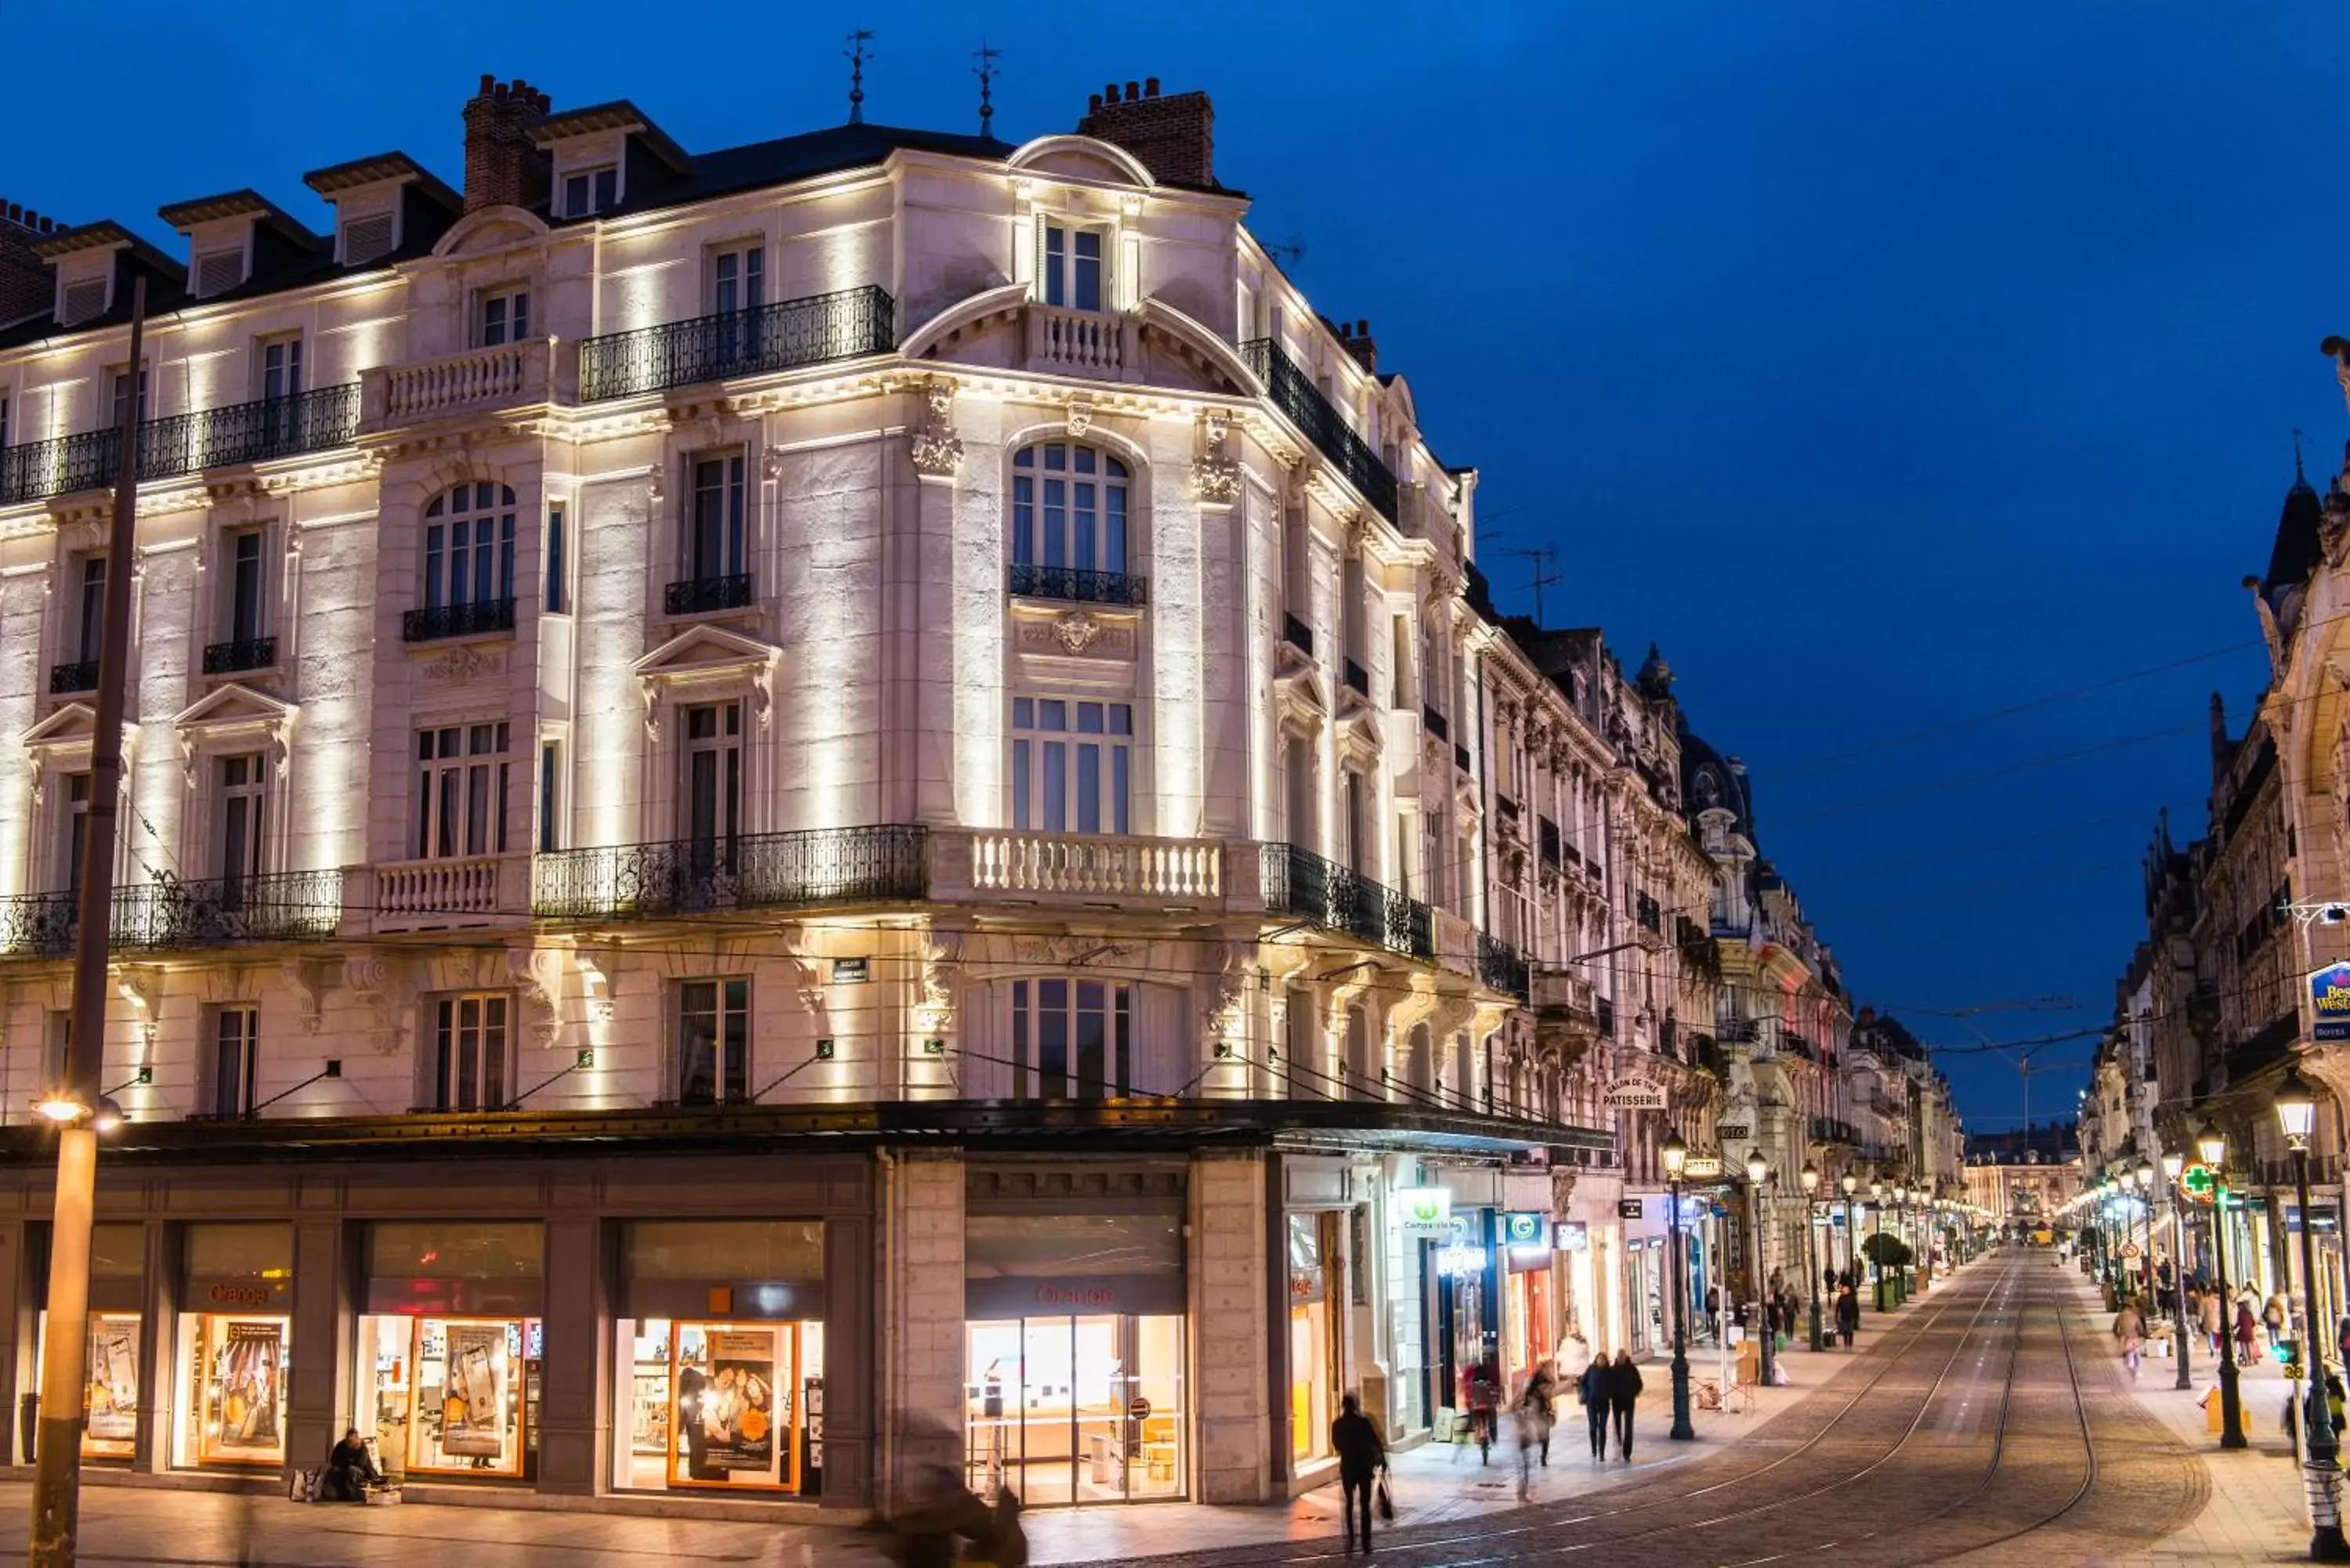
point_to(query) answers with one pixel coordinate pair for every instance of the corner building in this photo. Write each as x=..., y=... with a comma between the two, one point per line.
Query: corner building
x=792, y=811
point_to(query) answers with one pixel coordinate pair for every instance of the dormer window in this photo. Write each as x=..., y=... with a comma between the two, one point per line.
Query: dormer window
x=1072, y=267
x=217, y=271
x=587, y=190
x=366, y=237
x=84, y=299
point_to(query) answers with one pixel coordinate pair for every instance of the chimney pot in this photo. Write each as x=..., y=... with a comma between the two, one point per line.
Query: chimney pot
x=1130, y=94
x=1362, y=327
x=1150, y=86
x=1109, y=92
x=1093, y=102
x=487, y=81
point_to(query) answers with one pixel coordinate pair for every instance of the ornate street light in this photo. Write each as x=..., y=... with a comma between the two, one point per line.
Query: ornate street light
x=1676, y=1154
x=2296, y=1110
x=1810, y=1178
x=1851, y=1185
x=2172, y=1163
x=1757, y=1170
x=2213, y=1145
x=1876, y=1202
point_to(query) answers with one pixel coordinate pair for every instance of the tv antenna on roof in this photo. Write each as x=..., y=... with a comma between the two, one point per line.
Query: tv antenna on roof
x=857, y=55
x=986, y=55
x=1289, y=252
x=1543, y=574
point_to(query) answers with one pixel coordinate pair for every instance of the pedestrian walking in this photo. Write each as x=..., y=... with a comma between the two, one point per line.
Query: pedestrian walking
x=1593, y=1387
x=2273, y=1318
x=1623, y=1396
x=2129, y=1328
x=1354, y=1438
x=1533, y=1420
x=1847, y=1314
x=1484, y=1398
x=2209, y=1318
x=2247, y=1330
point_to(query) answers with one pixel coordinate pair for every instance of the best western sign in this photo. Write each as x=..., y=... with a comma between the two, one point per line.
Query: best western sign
x=2329, y=1001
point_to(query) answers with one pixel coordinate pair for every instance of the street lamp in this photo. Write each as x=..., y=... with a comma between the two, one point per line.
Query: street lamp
x=1810, y=1176
x=1675, y=1154
x=1757, y=1169
x=2146, y=1196
x=1851, y=1238
x=1876, y=1202
x=2296, y=1110
x=2213, y=1145
x=2172, y=1163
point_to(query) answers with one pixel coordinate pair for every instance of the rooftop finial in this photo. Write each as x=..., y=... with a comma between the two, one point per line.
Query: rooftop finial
x=856, y=55
x=986, y=55
x=2297, y=453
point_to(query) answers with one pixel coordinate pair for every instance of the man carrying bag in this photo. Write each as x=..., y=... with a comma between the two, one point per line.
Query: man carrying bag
x=1362, y=1460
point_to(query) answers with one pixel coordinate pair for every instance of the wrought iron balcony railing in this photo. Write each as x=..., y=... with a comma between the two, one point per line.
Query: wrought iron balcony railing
x=1834, y=1130
x=77, y=675
x=430, y=623
x=168, y=915
x=1500, y=966
x=702, y=595
x=1028, y=580
x=1295, y=395
x=888, y=864
x=1301, y=883
x=790, y=332
x=258, y=431
x=241, y=653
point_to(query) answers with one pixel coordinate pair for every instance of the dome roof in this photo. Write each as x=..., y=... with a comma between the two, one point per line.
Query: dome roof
x=1710, y=780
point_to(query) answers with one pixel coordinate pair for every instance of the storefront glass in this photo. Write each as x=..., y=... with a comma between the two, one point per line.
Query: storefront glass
x=1073, y=1357
x=118, y=1266
x=449, y=1349
x=1313, y=1336
x=721, y=1369
x=231, y=1351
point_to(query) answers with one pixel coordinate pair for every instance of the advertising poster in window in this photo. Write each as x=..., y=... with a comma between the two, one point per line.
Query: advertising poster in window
x=113, y=1420
x=473, y=1405
x=729, y=1416
x=248, y=1365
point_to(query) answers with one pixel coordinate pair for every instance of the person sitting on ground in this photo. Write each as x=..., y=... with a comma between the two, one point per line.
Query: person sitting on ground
x=349, y=1471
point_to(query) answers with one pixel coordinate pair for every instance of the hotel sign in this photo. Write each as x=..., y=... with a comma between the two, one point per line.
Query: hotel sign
x=2329, y=1002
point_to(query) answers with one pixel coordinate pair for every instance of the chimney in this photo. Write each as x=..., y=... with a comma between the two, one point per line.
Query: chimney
x=26, y=285
x=502, y=167
x=1173, y=136
x=1357, y=340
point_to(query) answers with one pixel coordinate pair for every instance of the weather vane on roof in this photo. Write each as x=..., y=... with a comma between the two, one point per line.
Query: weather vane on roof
x=856, y=55
x=986, y=55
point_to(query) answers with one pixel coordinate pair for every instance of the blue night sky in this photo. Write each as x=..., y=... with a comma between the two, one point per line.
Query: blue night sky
x=1886, y=363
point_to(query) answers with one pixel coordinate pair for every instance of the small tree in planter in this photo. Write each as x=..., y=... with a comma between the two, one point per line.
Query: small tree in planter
x=1888, y=1252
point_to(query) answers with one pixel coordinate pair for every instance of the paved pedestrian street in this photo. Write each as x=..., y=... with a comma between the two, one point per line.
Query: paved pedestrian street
x=1987, y=1423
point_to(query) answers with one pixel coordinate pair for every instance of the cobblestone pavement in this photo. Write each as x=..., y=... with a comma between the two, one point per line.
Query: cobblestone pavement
x=1988, y=1424
x=1991, y=1428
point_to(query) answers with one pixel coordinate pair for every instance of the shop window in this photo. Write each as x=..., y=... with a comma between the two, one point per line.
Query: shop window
x=232, y=1346
x=1072, y=1039
x=1071, y=765
x=713, y=1041
x=111, y=1390
x=451, y=1348
x=1317, y=1365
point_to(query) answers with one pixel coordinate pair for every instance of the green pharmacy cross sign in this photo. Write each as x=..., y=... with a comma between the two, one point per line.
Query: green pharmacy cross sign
x=2198, y=1183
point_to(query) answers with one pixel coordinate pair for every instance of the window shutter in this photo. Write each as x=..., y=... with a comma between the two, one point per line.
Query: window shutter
x=218, y=273
x=366, y=239
x=83, y=301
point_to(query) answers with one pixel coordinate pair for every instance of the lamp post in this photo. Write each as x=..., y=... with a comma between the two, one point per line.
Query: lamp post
x=2146, y=1198
x=1876, y=1202
x=1675, y=1154
x=2213, y=1145
x=1757, y=1169
x=2172, y=1163
x=2296, y=1110
x=1810, y=1178
x=1851, y=1237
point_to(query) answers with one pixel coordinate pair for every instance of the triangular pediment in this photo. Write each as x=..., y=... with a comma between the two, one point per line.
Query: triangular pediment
x=701, y=650
x=233, y=704
x=71, y=725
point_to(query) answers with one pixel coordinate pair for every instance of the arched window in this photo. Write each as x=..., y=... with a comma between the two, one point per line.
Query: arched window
x=469, y=558
x=1068, y=508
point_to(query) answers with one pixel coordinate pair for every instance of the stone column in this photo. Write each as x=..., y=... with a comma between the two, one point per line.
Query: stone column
x=319, y=1365
x=920, y=1350
x=575, y=1399
x=850, y=1356
x=1231, y=1257
x=159, y=1391
x=17, y=1310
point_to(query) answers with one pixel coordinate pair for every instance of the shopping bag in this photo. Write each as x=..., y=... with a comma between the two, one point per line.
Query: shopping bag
x=1384, y=1497
x=302, y=1486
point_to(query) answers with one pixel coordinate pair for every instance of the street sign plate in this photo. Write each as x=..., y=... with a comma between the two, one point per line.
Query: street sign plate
x=1702, y=1167
x=1627, y=1209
